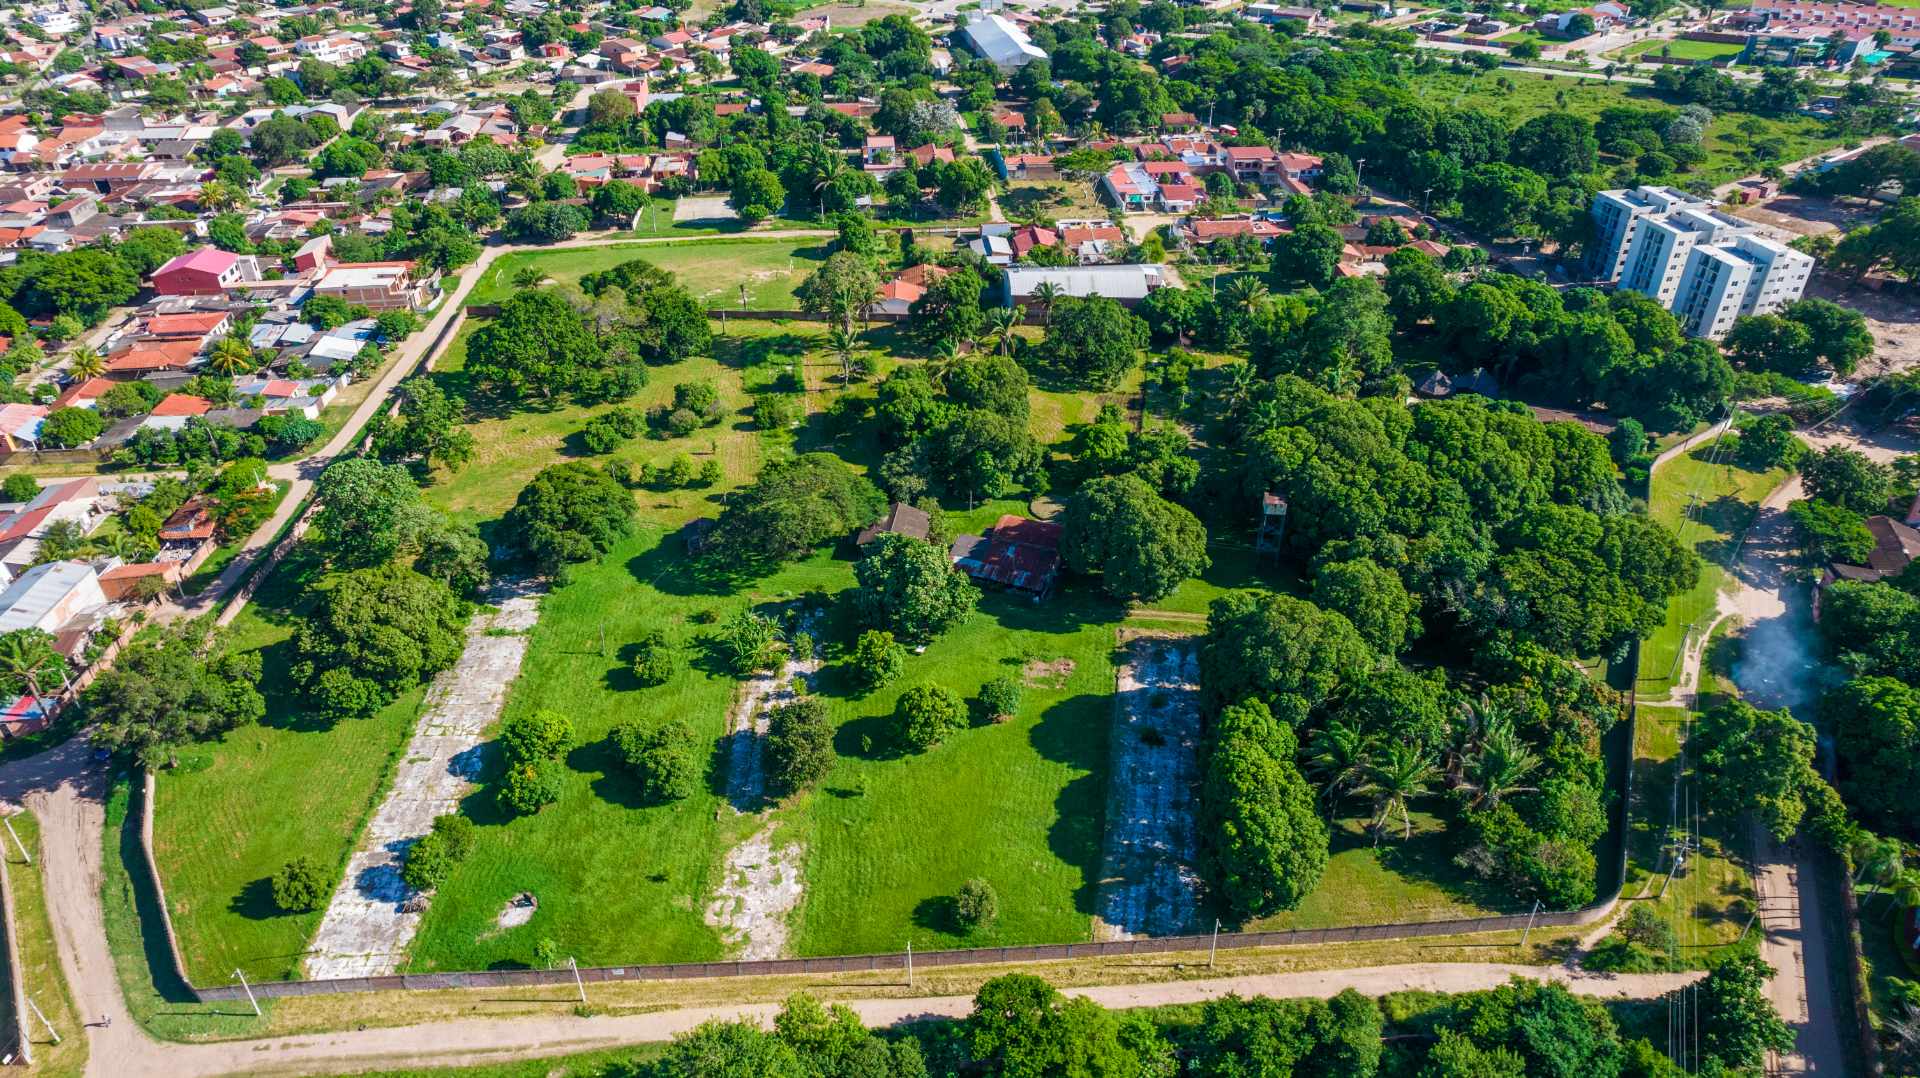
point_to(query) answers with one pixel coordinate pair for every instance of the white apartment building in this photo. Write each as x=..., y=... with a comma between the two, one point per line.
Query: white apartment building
x=1706, y=267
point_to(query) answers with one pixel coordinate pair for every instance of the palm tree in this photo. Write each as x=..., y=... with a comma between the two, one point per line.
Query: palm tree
x=231, y=357
x=1401, y=773
x=26, y=657
x=946, y=356
x=1341, y=757
x=1500, y=764
x=1244, y=293
x=842, y=344
x=62, y=540
x=1047, y=294
x=86, y=363
x=1001, y=324
x=527, y=277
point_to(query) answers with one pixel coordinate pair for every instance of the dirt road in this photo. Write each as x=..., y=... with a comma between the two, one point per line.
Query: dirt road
x=1779, y=668
x=417, y=349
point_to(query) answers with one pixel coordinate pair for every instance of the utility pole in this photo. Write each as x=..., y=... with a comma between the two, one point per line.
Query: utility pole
x=1214, y=946
x=16, y=840
x=909, y=963
x=35, y=1007
x=242, y=978
x=577, y=983
x=1530, y=917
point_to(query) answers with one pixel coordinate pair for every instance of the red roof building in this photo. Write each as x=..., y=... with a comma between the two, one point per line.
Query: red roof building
x=208, y=271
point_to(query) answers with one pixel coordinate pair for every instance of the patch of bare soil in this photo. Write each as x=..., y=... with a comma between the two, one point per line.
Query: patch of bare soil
x=1149, y=884
x=1051, y=674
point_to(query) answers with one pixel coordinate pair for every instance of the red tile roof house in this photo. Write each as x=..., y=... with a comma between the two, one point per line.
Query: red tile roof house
x=208, y=271
x=1016, y=552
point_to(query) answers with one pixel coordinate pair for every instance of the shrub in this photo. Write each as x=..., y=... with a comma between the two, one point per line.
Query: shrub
x=300, y=886
x=1649, y=930
x=750, y=642
x=877, y=659
x=927, y=715
x=775, y=411
x=663, y=758
x=674, y=474
x=543, y=735
x=976, y=906
x=709, y=474
x=528, y=787
x=608, y=431
x=654, y=659
x=428, y=863
x=458, y=832
x=1001, y=697
x=19, y=488
x=799, y=745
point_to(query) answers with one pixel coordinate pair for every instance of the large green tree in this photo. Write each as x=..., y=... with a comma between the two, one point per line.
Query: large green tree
x=1142, y=545
x=908, y=586
x=1092, y=343
x=571, y=512
x=171, y=686
x=793, y=506
x=1267, y=842
x=372, y=635
x=537, y=347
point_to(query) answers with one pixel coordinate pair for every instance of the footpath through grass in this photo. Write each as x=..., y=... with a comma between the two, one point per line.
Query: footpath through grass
x=39, y=961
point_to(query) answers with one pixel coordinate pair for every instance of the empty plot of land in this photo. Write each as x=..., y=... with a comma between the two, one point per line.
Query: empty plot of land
x=1149, y=885
x=372, y=917
x=703, y=209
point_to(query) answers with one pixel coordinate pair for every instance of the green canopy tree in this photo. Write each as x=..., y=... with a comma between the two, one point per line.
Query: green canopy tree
x=1142, y=545
x=570, y=512
x=908, y=586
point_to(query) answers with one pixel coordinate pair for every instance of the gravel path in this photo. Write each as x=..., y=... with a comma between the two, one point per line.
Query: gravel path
x=368, y=923
x=760, y=881
x=1148, y=882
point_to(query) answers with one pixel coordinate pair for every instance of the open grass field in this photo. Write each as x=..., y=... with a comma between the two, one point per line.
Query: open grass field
x=1711, y=901
x=713, y=271
x=1411, y=879
x=891, y=836
x=1518, y=96
x=235, y=810
x=39, y=961
x=1727, y=496
x=1681, y=49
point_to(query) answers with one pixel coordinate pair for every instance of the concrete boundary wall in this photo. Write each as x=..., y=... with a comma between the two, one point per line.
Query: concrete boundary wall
x=973, y=956
x=13, y=1039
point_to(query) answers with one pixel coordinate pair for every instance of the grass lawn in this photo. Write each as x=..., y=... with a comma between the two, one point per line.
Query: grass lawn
x=39, y=961
x=154, y=995
x=510, y=446
x=713, y=271
x=236, y=810
x=1681, y=49
x=1517, y=96
x=1411, y=879
x=1728, y=496
x=1713, y=899
x=892, y=836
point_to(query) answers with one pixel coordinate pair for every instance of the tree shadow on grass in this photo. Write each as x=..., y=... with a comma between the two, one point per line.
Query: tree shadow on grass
x=255, y=901
x=869, y=737
x=940, y=913
x=168, y=981
x=1070, y=608
x=744, y=351
x=1427, y=857
x=615, y=785
x=1074, y=732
